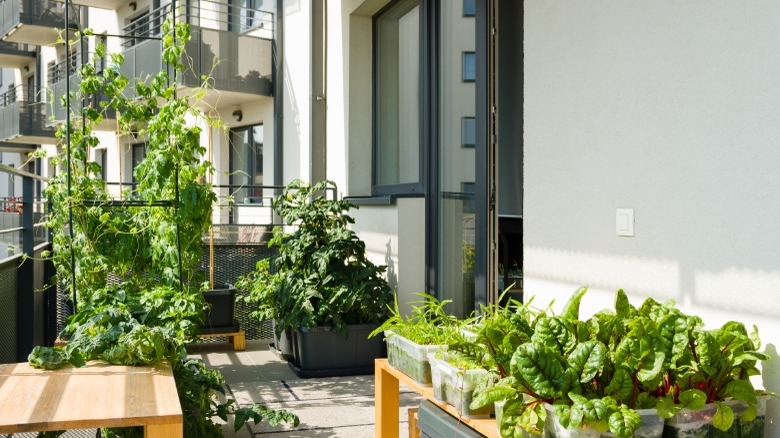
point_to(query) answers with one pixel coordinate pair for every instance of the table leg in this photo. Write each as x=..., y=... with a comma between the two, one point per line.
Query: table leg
x=173, y=430
x=387, y=404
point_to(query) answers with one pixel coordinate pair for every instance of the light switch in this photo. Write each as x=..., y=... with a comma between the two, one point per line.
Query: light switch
x=624, y=222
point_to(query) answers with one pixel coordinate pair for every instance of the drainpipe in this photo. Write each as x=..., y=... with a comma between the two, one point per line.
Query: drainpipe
x=319, y=58
x=277, y=58
x=278, y=81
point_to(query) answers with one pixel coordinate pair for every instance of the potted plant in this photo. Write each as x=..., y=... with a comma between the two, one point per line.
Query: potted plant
x=427, y=329
x=150, y=240
x=322, y=286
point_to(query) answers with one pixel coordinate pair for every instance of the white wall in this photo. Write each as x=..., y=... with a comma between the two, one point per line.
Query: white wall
x=297, y=96
x=669, y=108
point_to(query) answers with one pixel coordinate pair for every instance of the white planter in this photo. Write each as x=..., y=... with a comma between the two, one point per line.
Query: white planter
x=652, y=425
x=456, y=387
x=554, y=429
x=410, y=358
x=690, y=424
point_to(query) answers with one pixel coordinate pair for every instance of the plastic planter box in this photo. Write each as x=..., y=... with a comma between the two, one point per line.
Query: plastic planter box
x=652, y=425
x=456, y=387
x=220, y=310
x=554, y=429
x=410, y=358
x=698, y=424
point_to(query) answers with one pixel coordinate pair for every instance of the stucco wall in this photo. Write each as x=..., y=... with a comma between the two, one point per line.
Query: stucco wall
x=670, y=108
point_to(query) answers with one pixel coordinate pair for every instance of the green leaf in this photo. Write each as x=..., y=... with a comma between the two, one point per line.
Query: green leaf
x=540, y=368
x=623, y=307
x=624, y=422
x=693, y=399
x=740, y=390
x=651, y=368
x=724, y=417
x=621, y=385
x=666, y=407
x=571, y=311
x=587, y=359
x=555, y=333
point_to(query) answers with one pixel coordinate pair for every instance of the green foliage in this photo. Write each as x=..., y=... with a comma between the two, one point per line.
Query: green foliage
x=321, y=276
x=152, y=245
x=428, y=324
x=53, y=358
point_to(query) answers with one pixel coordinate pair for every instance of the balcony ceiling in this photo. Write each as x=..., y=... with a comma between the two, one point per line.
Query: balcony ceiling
x=15, y=59
x=32, y=34
x=102, y=4
x=13, y=147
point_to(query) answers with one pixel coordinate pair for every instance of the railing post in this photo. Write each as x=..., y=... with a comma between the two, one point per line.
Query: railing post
x=25, y=319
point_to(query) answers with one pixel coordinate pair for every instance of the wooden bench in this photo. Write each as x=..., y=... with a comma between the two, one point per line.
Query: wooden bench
x=238, y=339
x=95, y=396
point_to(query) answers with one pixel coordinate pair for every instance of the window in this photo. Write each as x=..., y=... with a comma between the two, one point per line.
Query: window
x=469, y=8
x=468, y=132
x=397, y=99
x=137, y=26
x=100, y=159
x=139, y=153
x=245, y=15
x=246, y=164
x=469, y=66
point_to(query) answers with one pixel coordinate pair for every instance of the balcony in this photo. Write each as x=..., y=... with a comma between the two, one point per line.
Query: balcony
x=34, y=21
x=15, y=55
x=23, y=117
x=102, y=4
x=240, y=38
x=57, y=74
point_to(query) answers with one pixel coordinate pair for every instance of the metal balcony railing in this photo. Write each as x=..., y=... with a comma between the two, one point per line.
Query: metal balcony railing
x=23, y=116
x=43, y=16
x=206, y=14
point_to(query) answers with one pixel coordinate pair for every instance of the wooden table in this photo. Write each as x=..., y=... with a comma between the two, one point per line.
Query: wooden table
x=98, y=395
x=386, y=399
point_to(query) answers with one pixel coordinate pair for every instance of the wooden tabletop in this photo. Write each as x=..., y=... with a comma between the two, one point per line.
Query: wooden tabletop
x=486, y=427
x=98, y=395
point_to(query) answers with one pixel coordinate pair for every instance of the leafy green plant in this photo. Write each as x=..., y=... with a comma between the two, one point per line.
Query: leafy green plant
x=136, y=282
x=321, y=276
x=427, y=324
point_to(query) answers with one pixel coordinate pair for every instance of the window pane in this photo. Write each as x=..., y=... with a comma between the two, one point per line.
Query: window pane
x=469, y=8
x=397, y=109
x=469, y=66
x=457, y=168
x=246, y=163
x=468, y=132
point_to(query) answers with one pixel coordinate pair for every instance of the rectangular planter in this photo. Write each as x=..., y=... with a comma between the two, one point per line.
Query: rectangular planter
x=410, y=358
x=220, y=311
x=436, y=423
x=456, y=386
x=321, y=352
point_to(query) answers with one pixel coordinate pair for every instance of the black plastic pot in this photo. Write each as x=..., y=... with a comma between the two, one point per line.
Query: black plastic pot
x=283, y=343
x=321, y=352
x=220, y=312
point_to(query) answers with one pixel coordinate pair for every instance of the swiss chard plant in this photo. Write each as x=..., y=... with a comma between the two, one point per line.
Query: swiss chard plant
x=321, y=275
x=131, y=265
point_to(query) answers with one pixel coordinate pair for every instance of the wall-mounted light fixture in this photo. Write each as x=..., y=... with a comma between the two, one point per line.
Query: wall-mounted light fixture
x=133, y=5
x=26, y=68
x=238, y=115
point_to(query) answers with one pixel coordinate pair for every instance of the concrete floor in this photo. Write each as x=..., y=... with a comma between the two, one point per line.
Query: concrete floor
x=327, y=407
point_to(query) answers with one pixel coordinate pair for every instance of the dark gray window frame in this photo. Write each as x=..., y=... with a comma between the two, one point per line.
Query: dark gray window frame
x=463, y=143
x=467, y=10
x=407, y=189
x=463, y=58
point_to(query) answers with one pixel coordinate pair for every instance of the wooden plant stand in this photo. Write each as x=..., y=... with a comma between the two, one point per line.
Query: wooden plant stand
x=238, y=339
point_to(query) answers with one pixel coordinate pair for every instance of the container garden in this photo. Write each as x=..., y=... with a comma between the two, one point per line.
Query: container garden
x=699, y=424
x=755, y=428
x=220, y=310
x=456, y=386
x=322, y=352
x=410, y=358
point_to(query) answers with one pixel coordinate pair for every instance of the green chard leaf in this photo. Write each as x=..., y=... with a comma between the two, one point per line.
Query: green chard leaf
x=724, y=417
x=587, y=359
x=621, y=385
x=571, y=310
x=624, y=422
x=540, y=368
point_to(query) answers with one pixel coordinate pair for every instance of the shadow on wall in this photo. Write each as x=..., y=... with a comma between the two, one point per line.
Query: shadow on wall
x=770, y=372
x=392, y=277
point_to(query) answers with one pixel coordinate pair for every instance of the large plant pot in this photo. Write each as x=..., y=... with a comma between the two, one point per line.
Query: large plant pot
x=410, y=358
x=321, y=352
x=220, y=310
x=283, y=343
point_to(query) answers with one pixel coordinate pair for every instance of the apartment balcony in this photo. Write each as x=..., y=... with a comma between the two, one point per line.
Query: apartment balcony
x=102, y=4
x=239, y=38
x=57, y=74
x=23, y=117
x=34, y=21
x=15, y=55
